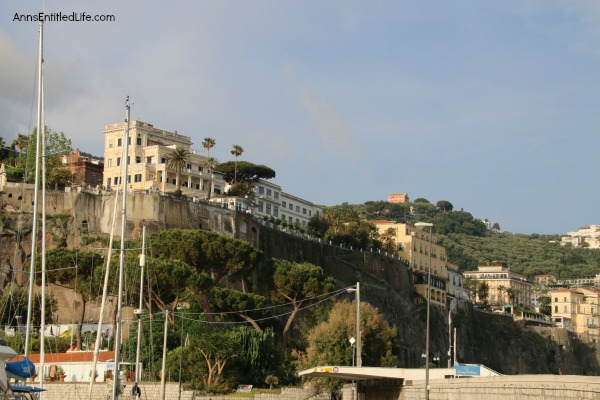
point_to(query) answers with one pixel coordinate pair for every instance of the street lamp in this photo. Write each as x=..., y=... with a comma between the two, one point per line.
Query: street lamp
x=356, y=291
x=421, y=226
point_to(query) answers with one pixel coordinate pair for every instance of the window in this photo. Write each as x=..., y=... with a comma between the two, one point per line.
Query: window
x=269, y=208
x=556, y=299
x=110, y=162
x=276, y=195
x=118, y=161
x=261, y=190
x=297, y=208
x=137, y=178
x=283, y=217
x=269, y=192
x=139, y=140
x=188, y=166
x=283, y=204
x=163, y=160
x=128, y=160
x=260, y=206
x=128, y=178
x=276, y=211
x=129, y=140
x=565, y=300
x=304, y=211
x=119, y=142
x=108, y=183
x=148, y=160
x=310, y=213
x=138, y=159
x=291, y=206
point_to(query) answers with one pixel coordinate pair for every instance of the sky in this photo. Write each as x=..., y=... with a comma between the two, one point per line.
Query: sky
x=490, y=105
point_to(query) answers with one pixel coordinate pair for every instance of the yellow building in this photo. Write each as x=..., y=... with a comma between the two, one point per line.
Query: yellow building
x=503, y=283
x=148, y=160
x=413, y=245
x=577, y=310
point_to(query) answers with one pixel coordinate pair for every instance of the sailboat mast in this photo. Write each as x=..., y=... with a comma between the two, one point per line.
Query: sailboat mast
x=124, y=183
x=35, y=196
x=138, y=369
x=42, y=373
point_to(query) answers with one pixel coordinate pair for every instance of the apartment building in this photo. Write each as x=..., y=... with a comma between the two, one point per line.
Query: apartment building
x=84, y=170
x=577, y=310
x=271, y=201
x=414, y=246
x=502, y=283
x=544, y=279
x=456, y=284
x=590, y=235
x=148, y=161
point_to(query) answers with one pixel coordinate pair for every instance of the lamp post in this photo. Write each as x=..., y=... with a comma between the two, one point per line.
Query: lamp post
x=422, y=225
x=356, y=291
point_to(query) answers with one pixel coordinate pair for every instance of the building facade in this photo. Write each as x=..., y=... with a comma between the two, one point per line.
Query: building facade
x=398, y=198
x=577, y=310
x=503, y=284
x=414, y=246
x=85, y=171
x=148, y=161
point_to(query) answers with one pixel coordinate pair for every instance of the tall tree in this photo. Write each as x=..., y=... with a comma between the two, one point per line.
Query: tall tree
x=211, y=163
x=444, y=205
x=178, y=159
x=208, y=144
x=328, y=341
x=296, y=283
x=242, y=175
x=237, y=151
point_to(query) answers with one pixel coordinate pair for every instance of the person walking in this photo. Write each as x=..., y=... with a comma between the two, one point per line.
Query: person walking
x=136, y=392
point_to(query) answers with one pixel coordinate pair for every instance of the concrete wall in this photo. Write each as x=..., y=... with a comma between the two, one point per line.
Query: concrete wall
x=538, y=387
x=151, y=391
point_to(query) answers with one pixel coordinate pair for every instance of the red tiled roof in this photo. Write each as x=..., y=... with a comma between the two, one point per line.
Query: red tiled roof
x=75, y=356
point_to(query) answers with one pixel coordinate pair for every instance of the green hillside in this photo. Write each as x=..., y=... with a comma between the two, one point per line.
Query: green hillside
x=469, y=243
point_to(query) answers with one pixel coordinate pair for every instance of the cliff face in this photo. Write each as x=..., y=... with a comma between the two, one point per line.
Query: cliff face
x=493, y=340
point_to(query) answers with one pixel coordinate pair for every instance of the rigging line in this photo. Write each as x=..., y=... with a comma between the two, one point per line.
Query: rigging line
x=257, y=319
x=181, y=315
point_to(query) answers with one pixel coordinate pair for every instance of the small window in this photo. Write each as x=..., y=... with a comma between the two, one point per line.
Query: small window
x=269, y=208
x=260, y=206
x=291, y=206
x=304, y=211
x=148, y=160
x=118, y=161
x=276, y=195
x=139, y=140
x=276, y=211
x=138, y=159
x=163, y=160
x=119, y=142
x=110, y=162
x=261, y=190
x=297, y=208
x=283, y=204
x=269, y=192
x=137, y=178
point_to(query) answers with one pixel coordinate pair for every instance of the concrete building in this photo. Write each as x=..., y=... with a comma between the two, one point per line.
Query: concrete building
x=502, y=282
x=413, y=245
x=590, y=235
x=577, y=310
x=398, y=198
x=456, y=284
x=148, y=159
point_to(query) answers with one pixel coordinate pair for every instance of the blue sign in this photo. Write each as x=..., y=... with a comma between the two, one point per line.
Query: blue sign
x=467, y=370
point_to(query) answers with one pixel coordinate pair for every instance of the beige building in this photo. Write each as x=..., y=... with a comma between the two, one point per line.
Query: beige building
x=502, y=283
x=398, y=198
x=544, y=279
x=148, y=161
x=577, y=310
x=413, y=245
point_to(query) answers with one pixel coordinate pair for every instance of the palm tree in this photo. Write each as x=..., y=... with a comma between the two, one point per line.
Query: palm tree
x=208, y=144
x=211, y=163
x=178, y=159
x=236, y=151
x=20, y=142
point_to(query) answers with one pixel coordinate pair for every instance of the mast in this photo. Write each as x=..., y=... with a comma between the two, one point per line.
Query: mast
x=35, y=196
x=116, y=383
x=42, y=373
x=138, y=370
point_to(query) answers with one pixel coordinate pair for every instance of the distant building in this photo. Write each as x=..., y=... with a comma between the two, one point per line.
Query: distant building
x=456, y=284
x=398, y=198
x=577, y=310
x=590, y=235
x=544, y=279
x=500, y=280
x=84, y=170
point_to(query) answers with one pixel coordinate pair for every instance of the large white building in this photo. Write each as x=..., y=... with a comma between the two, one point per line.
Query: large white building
x=148, y=169
x=589, y=234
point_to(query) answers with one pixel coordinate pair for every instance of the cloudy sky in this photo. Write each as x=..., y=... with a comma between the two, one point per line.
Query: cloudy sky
x=493, y=106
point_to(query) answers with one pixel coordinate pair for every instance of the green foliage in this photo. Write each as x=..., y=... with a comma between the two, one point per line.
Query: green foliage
x=13, y=303
x=56, y=144
x=526, y=254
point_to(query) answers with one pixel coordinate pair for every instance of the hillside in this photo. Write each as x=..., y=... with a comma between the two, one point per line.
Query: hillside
x=469, y=243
